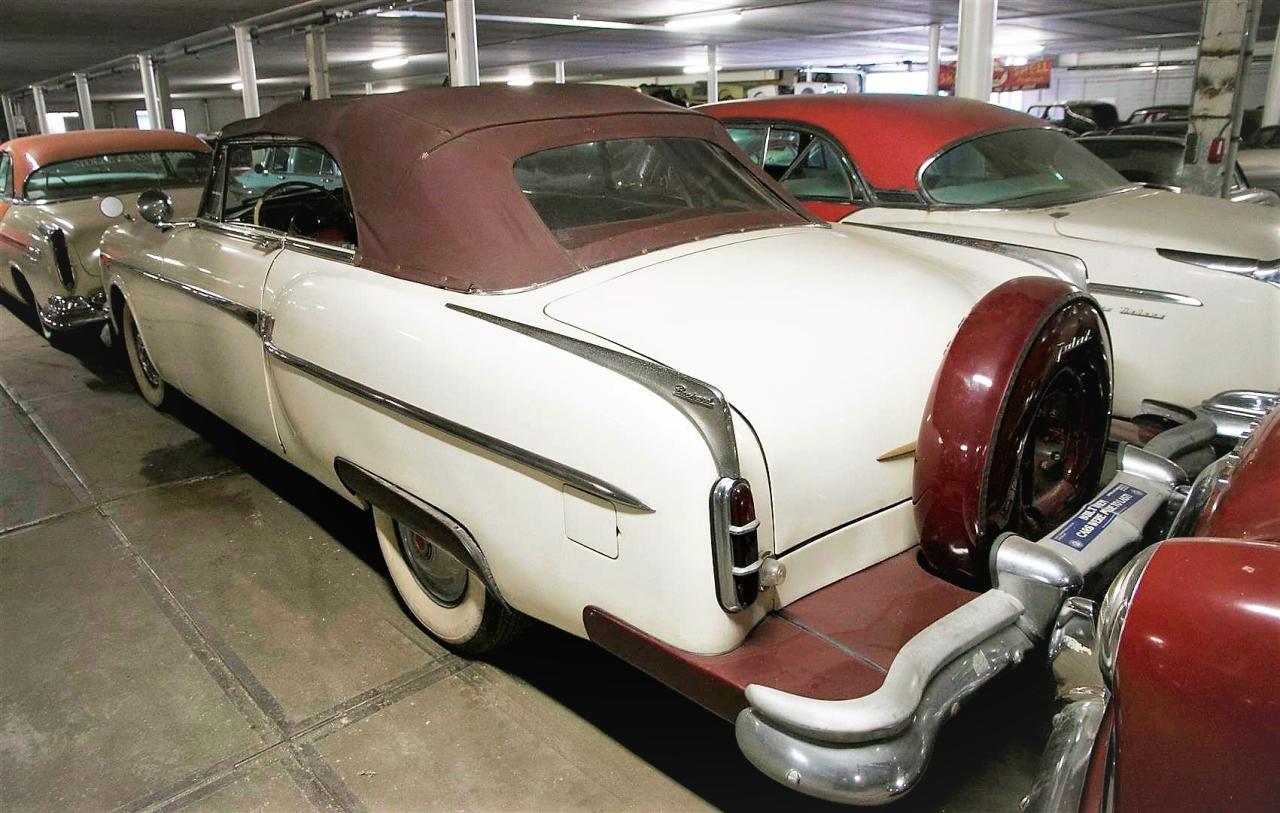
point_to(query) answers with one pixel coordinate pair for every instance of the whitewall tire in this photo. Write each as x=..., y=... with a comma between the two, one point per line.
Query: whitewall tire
x=145, y=374
x=451, y=603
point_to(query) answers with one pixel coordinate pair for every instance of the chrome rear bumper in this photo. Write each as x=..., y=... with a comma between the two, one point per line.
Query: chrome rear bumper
x=870, y=750
x=70, y=312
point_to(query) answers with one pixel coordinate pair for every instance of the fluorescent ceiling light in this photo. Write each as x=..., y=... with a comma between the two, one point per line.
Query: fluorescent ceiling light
x=1027, y=50
x=699, y=68
x=519, y=80
x=237, y=85
x=705, y=20
x=389, y=63
x=566, y=22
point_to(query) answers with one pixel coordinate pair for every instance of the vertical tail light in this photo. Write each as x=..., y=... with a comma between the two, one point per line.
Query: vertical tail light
x=62, y=257
x=735, y=543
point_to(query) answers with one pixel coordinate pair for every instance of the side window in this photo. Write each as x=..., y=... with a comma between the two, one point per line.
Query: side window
x=304, y=201
x=783, y=148
x=751, y=140
x=6, y=176
x=276, y=161
x=211, y=206
x=820, y=173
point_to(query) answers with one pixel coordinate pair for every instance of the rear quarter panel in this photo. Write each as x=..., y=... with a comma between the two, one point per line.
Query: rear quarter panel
x=397, y=337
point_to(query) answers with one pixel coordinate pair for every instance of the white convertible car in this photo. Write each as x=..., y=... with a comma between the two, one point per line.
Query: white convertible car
x=58, y=192
x=587, y=365
x=1191, y=285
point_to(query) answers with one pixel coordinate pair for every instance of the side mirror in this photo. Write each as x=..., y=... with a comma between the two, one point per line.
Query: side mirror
x=156, y=208
x=260, y=169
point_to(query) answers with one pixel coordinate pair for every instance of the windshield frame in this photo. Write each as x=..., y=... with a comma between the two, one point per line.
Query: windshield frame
x=123, y=189
x=933, y=203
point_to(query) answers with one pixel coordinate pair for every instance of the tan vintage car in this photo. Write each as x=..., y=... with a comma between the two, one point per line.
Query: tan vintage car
x=59, y=192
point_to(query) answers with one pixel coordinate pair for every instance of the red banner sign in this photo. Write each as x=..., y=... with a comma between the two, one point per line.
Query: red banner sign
x=1031, y=76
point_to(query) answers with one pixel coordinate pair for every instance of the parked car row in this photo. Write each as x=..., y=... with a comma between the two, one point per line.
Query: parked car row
x=595, y=360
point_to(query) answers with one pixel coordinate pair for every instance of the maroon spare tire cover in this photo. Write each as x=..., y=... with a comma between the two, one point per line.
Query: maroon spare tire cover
x=1015, y=428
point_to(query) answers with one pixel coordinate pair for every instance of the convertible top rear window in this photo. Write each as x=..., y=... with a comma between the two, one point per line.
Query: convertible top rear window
x=598, y=190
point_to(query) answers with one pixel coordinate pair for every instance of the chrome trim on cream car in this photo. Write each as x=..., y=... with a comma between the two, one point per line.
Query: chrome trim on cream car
x=567, y=474
x=1149, y=294
x=1067, y=267
x=249, y=316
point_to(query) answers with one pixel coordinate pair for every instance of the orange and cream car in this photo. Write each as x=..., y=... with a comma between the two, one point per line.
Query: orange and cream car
x=59, y=192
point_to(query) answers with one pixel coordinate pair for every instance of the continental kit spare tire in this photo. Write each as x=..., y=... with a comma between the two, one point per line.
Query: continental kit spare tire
x=1015, y=428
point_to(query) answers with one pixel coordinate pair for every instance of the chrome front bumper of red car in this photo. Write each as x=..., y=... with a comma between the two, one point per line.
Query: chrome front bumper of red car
x=871, y=749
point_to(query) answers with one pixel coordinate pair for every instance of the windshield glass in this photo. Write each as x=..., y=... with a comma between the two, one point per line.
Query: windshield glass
x=106, y=174
x=1020, y=168
x=589, y=192
x=1140, y=160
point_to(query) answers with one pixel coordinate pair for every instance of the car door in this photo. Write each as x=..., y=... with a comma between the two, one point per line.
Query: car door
x=200, y=304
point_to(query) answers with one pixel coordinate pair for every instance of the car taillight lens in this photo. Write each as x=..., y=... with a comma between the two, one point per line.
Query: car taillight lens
x=62, y=258
x=736, y=547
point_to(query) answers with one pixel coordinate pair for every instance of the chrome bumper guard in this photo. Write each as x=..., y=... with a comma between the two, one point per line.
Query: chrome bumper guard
x=870, y=750
x=69, y=312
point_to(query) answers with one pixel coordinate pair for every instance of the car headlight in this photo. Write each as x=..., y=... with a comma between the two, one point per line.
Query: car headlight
x=1115, y=609
x=1265, y=270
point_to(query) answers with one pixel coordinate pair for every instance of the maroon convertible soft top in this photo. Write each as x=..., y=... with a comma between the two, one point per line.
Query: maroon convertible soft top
x=436, y=199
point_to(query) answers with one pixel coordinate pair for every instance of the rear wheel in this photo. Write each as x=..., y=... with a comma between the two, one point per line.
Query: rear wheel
x=145, y=375
x=1015, y=430
x=452, y=603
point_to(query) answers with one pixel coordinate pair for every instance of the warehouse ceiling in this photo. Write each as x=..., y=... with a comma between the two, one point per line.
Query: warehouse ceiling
x=597, y=39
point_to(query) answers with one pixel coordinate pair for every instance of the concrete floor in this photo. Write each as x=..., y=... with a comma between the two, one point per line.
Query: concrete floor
x=188, y=623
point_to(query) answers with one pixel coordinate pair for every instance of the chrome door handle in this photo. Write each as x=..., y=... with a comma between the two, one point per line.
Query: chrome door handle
x=266, y=244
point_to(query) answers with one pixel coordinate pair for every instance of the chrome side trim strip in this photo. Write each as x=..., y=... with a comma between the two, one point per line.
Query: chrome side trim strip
x=244, y=313
x=1167, y=297
x=566, y=474
x=443, y=529
x=702, y=404
x=1067, y=267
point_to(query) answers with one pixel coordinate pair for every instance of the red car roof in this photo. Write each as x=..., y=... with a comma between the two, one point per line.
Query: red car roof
x=887, y=135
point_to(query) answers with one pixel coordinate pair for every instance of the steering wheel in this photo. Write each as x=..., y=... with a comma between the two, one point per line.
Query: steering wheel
x=284, y=187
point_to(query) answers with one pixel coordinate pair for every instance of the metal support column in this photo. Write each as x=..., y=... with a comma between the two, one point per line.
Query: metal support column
x=317, y=63
x=559, y=71
x=1227, y=31
x=84, y=101
x=248, y=71
x=935, y=61
x=146, y=70
x=164, y=101
x=1271, y=105
x=10, y=115
x=42, y=113
x=713, y=77
x=464, y=53
x=973, y=60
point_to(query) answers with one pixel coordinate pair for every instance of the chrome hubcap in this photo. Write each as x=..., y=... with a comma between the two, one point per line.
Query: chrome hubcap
x=442, y=577
x=149, y=371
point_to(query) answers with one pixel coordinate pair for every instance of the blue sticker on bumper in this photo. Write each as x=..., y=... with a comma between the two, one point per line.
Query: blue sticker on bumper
x=1089, y=521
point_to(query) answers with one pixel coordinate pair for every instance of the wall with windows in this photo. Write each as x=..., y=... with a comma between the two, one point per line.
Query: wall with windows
x=1126, y=88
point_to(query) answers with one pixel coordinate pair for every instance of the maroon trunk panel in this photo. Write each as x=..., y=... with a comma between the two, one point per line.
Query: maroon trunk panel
x=831, y=645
